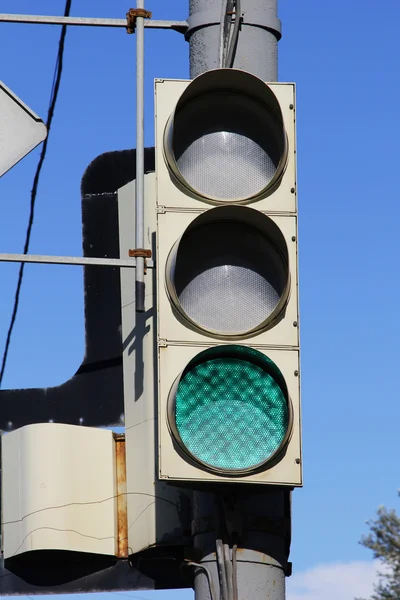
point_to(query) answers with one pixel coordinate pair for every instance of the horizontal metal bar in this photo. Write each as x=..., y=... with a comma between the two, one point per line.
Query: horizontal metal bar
x=89, y=21
x=73, y=260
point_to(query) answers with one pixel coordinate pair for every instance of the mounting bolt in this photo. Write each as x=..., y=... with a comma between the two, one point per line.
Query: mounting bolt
x=297, y=461
x=291, y=106
x=293, y=238
x=294, y=323
x=292, y=190
x=296, y=373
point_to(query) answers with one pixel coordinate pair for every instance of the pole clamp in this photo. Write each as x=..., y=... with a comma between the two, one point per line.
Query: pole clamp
x=132, y=15
x=254, y=18
x=140, y=253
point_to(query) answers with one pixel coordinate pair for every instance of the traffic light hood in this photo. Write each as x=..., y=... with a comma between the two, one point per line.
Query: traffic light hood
x=225, y=141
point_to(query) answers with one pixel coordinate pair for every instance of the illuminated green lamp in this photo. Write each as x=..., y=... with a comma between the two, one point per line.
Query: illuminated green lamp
x=230, y=410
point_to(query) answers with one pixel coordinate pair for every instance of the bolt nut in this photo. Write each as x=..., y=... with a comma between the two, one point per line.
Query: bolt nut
x=291, y=106
x=297, y=461
x=293, y=238
x=295, y=323
x=296, y=373
x=292, y=190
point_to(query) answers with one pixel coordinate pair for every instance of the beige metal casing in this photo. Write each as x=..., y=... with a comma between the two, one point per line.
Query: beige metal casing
x=287, y=471
x=59, y=490
x=179, y=341
x=282, y=200
x=155, y=508
x=172, y=327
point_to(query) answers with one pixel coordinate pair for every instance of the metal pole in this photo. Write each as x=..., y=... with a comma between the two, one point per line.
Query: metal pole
x=257, y=48
x=253, y=529
x=84, y=261
x=258, y=577
x=180, y=26
x=139, y=189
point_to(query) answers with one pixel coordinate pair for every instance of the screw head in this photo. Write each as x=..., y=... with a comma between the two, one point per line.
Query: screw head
x=297, y=461
x=296, y=373
x=293, y=238
x=292, y=190
x=295, y=323
x=291, y=106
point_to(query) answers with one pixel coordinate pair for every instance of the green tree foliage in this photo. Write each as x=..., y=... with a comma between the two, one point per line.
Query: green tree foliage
x=384, y=541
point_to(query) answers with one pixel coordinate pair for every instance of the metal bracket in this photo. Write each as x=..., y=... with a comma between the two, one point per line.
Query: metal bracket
x=252, y=18
x=140, y=253
x=132, y=15
x=82, y=261
x=179, y=26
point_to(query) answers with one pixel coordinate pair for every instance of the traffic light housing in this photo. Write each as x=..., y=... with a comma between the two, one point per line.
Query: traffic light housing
x=228, y=336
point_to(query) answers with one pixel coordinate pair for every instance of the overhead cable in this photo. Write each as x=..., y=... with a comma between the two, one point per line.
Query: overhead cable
x=52, y=104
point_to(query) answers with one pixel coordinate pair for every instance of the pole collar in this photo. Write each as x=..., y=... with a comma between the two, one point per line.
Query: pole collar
x=253, y=18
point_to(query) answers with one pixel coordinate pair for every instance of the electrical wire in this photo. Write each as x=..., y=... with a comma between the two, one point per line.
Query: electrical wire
x=228, y=42
x=234, y=573
x=228, y=571
x=220, y=555
x=224, y=29
x=52, y=104
x=208, y=575
x=230, y=57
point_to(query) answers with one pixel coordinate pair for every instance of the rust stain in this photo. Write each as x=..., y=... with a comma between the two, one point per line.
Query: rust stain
x=132, y=15
x=122, y=508
x=140, y=252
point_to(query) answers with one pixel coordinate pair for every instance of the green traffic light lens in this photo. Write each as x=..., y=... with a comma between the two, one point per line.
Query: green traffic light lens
x=232, y=410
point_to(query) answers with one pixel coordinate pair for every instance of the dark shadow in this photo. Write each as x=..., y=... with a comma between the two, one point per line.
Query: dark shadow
x=56, y=567
x=165, y=565
x=62, y=572
x=94, y=395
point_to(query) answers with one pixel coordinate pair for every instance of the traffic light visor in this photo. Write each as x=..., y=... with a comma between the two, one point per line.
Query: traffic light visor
x=228, y=275
x=225, y=141
x=229, y=411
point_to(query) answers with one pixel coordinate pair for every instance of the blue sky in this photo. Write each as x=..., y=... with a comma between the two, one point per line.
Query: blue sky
x=343, y=57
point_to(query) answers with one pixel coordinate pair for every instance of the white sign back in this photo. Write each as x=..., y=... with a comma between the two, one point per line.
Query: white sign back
x=21, y=130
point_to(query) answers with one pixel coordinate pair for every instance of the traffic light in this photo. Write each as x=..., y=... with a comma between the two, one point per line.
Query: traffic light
x=227, y=284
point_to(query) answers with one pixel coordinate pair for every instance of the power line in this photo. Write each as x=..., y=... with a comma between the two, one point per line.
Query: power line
x=52, y=104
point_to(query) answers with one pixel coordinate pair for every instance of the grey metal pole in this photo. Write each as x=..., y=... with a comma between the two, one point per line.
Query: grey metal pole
x=257, y=48
x=258, y=577
x=88, y=21
x=139, y=193
x=254, y=529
